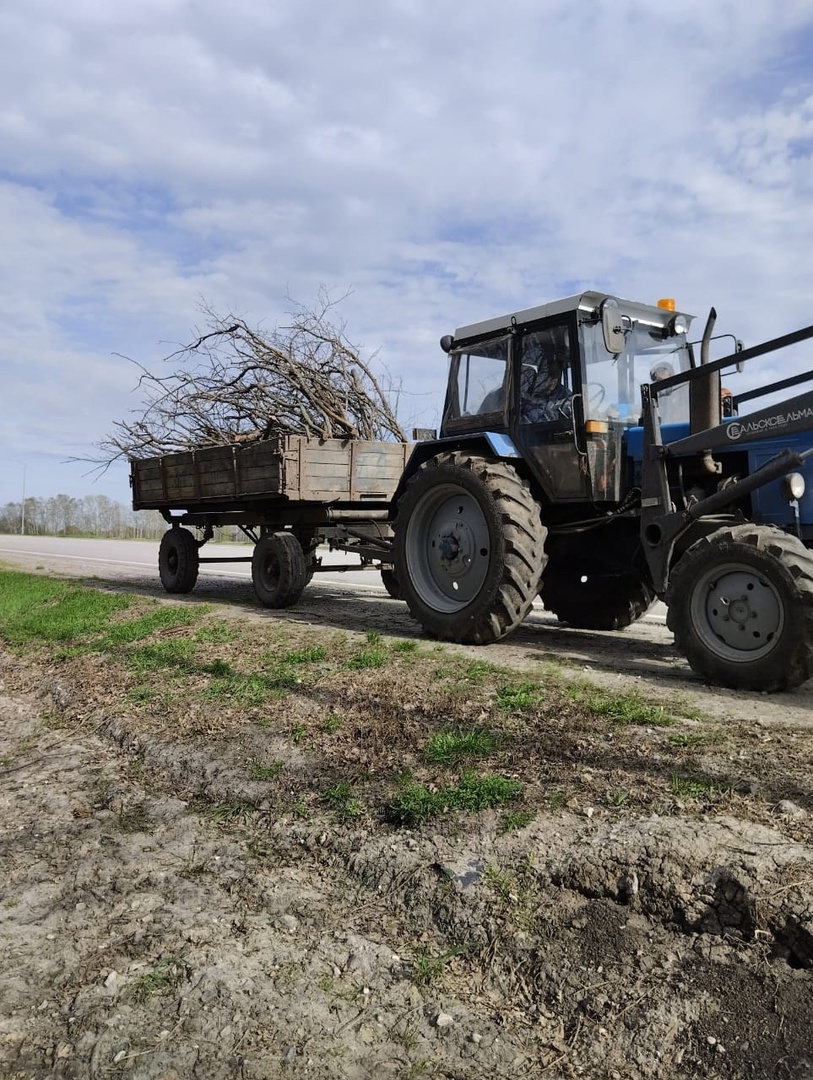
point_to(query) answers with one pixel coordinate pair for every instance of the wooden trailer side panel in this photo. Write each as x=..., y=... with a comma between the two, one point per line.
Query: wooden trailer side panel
x=351, y=470
x=293, y=467
x=214, y=474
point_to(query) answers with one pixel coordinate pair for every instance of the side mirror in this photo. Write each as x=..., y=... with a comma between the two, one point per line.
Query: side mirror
x=613, y=327
x=740, y=363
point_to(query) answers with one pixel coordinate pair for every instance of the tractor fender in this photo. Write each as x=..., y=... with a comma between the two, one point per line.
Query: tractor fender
x=495, y=443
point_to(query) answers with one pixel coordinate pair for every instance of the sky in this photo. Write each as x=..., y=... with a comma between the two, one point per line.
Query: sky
x=438, y=162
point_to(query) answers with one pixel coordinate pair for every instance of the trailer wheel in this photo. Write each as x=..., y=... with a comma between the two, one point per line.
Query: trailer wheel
x=595, y=601
x=741, y=608
x=469, y=548
x=178, y=561
x=279, y=570
x=389, y=579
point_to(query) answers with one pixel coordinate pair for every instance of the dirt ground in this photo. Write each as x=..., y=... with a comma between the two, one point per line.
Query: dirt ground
x=165, y=916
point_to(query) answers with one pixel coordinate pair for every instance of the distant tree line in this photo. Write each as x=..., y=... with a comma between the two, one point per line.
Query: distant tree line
x=92, y=515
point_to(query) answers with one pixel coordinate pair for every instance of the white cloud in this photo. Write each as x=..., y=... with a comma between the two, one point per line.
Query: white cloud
x=447, y=162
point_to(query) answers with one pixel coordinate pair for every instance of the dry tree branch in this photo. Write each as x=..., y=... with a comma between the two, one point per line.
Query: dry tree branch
x=237, y=384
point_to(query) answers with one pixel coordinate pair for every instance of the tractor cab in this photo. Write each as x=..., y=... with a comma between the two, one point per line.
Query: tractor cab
x=563, y=382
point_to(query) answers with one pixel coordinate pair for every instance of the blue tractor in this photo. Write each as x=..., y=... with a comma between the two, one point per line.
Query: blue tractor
x=589, y=455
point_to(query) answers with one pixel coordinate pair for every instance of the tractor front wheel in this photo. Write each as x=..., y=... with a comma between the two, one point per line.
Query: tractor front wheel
x=740, y=604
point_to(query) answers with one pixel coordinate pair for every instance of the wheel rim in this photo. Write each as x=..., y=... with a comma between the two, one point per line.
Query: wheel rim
x=448, y=548
x=737, y=612
x=270, y=572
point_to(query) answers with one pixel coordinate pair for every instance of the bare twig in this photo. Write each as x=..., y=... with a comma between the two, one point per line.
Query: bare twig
x=236, y=384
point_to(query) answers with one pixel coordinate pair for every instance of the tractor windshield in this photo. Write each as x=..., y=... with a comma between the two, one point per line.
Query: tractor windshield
x=477, y=386
x=612, y=384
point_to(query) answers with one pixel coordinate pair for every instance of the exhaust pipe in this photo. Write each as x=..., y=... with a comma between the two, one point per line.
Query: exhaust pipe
x=704, y=396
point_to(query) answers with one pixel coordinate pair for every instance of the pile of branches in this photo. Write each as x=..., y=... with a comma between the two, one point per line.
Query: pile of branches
x=236, y=384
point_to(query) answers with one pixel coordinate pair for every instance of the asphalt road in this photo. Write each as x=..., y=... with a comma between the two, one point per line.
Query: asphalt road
x=120, y=558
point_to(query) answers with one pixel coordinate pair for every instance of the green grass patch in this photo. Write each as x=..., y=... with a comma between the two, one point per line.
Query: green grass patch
x=451, y=747
x=265, y=770
x=332, y=722
x=311, y=655
x=619, y=797
x=343, y=801
x=131, y=630
x=160, y=655
x=166, y=975
x=514, y=820
x=516, y=697
x=222, y=812
x=692, y=787
x=428, y=967
x=249, y=690
x=141, y=695
x=221, y=669
x=34, y=608
x=405, y=646
x=374, y=657
x=414, y=803
x=626, y=708
x=477, y=671
x=463, y=674
x=217, y=632
x=687, y=740
x=503, y=882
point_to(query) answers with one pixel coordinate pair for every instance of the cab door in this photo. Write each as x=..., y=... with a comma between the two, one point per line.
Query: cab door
x=547, y=410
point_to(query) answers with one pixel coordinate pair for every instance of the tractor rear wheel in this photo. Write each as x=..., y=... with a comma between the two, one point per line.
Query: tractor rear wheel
x=178, y=560
x=741, y=608
x=595, y=601
x=279, y=570
x=469, y=547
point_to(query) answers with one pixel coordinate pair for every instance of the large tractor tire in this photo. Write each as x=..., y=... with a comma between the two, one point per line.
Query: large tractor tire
x=279, y=570
x=741, y=608
x=469, y=548
x=178, y=560
x=595, y=601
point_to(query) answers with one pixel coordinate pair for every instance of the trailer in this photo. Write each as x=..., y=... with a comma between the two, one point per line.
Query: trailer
x=287, y=495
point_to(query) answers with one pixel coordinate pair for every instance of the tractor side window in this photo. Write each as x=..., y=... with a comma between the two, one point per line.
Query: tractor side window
x=545, y=391
x=480, y=383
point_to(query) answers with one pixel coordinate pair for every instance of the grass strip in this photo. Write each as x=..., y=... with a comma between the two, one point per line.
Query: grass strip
x=414, y=803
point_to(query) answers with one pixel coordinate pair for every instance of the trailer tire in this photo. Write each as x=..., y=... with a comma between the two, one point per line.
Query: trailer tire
x=389, y=579
x=469, y=547
x=740, y=604
x=178, y=560
x=595, y=601
x=279, y=570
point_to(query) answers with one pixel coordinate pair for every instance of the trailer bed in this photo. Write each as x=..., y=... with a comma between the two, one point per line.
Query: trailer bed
x=291, y=467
